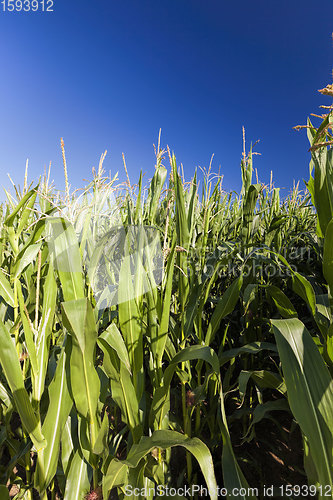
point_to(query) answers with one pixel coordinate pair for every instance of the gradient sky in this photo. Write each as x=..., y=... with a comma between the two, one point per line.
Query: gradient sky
x=107, y=74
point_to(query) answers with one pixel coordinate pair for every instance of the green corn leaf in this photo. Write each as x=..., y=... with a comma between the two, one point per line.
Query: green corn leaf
x=166, y=306
x=224, y=307
x=310, y=391
x=183, y=236
x=68, y=447
x=66, y=257
x=249, y=205
x=101, y=447
x=79, y=319
x=246, y=171
x=26, y=213
x=10, y=219
x=45, y=329
x=130, y=323
x=58, y=411
x=163, y=439
x=138, y=213
x=28, y=334
x=116, y=475
x=25, y=258
x=206, y=288
x=12, y=370
x=160, y=404
x=328, y=256
x=317, y=133
x=192, y=205
x=182, y=228
x=155, y=192
x=323, y=187
x=78, y=479
x=252, y=348
x=283, y=304
x=6, y=290
x=304, y=289
x=122, y=388
x=232, y=473
x=114, y=339
x=37, y=233
x=323, y=313
x=262, y=411
x=264, y=379
x=7, y=403
x=243, y=380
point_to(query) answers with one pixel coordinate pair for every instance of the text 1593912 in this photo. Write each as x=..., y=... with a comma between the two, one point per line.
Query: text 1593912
x=27, y=5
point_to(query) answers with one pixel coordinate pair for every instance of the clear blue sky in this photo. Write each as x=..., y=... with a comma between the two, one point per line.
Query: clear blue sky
x=107, y=74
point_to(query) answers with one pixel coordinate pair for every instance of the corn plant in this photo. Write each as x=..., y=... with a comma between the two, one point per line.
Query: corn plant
x=147, y=332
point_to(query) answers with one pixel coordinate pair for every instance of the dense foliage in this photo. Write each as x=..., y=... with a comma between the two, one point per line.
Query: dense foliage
x=217, y=371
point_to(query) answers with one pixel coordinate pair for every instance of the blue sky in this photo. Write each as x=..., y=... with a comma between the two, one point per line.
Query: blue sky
x=107, y=74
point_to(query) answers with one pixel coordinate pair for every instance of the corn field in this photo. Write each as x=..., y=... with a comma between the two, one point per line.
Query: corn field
x=170, y=335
